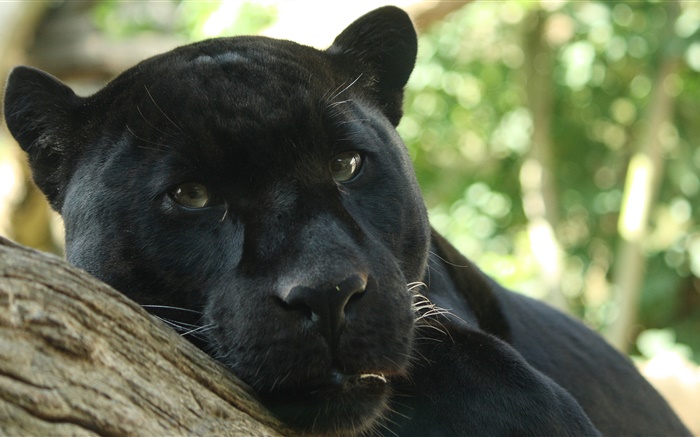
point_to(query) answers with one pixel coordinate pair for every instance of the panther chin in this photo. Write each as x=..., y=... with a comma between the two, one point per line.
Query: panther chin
x=340, y=404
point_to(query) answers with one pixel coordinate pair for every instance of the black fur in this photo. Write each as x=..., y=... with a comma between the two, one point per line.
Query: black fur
x=301, y=285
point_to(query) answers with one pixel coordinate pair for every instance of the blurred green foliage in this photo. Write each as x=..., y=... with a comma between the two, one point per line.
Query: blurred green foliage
x=193, y=19
x=469, y=128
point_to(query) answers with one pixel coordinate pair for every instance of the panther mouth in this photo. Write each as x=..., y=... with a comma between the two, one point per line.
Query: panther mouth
x=362, y=380
x=335, y=403
x=371, y=378
x=339, y=384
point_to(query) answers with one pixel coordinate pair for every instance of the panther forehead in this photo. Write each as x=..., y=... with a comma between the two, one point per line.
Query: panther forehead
x=256, y=59
x=238, y=81
x=226, y=101
x=221, y=58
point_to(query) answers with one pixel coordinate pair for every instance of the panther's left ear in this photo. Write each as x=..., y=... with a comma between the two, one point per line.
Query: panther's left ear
x=381, y=46
x=43, y=115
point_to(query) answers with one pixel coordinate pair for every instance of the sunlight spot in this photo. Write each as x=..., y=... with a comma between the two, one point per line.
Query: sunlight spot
x=512, y=56
x=680, y=210
x=690, y=184
x=623, y=111
x=694, y=252
x=669, y=364
x=692, y=56
x=513, y=134
x=635, y=202
x=614, y=136
x=544, y=247
x=469, y=93
x=688, y=23
x=601, y=35
x=512, y=12
x=578, y=59
x=617, y=48
x=622, y=14
x=640, y=86
x=559, y=28
x=637, y=47
x=221, y=18
x=472, y=146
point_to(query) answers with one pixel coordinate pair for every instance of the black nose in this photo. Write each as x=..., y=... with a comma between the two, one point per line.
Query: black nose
x=325, y=306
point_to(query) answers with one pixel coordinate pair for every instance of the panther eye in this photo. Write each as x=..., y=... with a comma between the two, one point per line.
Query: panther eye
x=345, y=166
x=191, y=195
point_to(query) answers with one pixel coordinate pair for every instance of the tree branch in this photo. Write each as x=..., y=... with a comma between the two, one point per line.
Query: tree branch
x=427, y=13
x=78, y=357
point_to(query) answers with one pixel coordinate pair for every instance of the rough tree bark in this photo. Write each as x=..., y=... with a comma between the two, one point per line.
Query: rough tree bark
x=79, y=358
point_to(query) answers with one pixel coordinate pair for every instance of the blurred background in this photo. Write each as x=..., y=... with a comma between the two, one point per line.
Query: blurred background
x=556, y=142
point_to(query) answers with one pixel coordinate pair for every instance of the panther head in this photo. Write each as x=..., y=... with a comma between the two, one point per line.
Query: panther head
x=259, y=188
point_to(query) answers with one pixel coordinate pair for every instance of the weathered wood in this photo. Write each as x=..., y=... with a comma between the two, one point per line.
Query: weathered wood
x=79, y=358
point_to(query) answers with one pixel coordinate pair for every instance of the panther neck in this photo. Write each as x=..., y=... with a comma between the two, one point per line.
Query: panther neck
x=466, y=291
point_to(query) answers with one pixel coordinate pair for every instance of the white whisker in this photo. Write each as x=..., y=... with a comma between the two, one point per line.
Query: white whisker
x=345, y=89
x=198, y=329
x=161, y=111
x=172, y=308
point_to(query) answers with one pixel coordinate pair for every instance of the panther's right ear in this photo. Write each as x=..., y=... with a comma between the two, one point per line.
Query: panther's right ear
x=380, y=49
x=41, y=113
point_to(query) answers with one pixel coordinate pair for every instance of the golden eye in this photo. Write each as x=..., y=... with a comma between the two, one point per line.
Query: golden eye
x=191, y=195
x=345, y=166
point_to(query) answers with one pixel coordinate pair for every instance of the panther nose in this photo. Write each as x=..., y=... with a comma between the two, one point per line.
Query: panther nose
x=325, y=306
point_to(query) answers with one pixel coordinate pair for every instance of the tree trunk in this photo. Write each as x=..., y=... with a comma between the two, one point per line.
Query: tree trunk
x=644, y=176
x=537, y=181
x=79, y=358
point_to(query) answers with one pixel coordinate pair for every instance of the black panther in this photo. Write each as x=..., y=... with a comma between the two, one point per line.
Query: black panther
x=256, y=190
